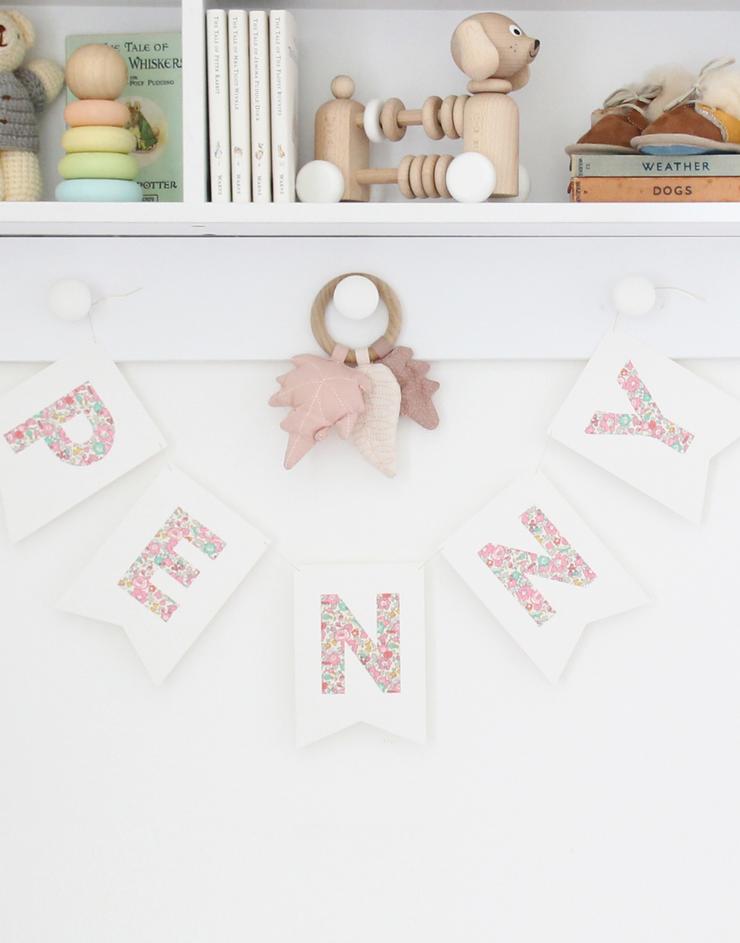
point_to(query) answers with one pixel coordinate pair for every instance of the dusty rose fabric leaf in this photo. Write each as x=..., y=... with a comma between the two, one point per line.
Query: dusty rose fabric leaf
x=323, y=394
x=416, y=389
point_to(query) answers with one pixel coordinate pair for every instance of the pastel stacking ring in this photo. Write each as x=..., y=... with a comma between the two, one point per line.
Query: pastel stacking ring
x=94, y=138
x=90, y=165
x=99, y=191
x=96, y=111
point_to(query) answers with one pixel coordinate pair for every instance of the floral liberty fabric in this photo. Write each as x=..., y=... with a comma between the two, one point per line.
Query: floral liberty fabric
x=381, y=659
x=647, y=418
x=161, y=552
x=561, y=562
x=48, y=424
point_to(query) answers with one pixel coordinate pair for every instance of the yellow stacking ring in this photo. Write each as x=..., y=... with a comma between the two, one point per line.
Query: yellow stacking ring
x=98, y=166
x=96, y=111
x=94, y=138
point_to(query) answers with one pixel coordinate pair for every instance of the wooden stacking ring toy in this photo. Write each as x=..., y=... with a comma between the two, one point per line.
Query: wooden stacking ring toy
x=383, y=344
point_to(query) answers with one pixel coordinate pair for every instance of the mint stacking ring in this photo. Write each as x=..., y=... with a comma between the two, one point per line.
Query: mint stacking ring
x=99, y=191
x=89, y=165
x=96, y=138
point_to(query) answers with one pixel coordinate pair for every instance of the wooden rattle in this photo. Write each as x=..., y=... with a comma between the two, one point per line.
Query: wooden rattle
x=362, y=393
x=495, y=53
x=99, y=164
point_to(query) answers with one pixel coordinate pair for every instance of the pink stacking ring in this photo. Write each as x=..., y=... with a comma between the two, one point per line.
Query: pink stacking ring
x=94, y=111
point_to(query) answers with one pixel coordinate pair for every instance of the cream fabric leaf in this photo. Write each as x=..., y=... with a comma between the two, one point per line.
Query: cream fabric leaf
x=375, y=431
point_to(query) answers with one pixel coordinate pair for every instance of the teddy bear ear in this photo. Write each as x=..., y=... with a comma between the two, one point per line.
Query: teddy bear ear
x=25, y=26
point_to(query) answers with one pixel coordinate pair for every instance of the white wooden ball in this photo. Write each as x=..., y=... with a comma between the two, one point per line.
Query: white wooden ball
x=96, y=71
x=356, y=297
x=634, y=296
x=371, y=121
x=319, y=181
x=471, y=178
x=70, y=299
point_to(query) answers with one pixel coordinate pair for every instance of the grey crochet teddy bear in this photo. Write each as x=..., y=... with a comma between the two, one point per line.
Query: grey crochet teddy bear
x=24, y=92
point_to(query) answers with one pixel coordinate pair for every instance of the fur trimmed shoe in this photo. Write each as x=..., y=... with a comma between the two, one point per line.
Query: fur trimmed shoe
x=703, y=120
x=628, y=111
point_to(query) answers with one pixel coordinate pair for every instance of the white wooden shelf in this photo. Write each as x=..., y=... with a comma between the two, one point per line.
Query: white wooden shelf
x=371, y=219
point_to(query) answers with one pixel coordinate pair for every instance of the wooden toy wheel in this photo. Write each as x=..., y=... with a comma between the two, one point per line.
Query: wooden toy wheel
x=378, y=348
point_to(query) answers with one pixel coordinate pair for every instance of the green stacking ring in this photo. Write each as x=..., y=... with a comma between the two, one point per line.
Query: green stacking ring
x=91, y=165
x=96, y=138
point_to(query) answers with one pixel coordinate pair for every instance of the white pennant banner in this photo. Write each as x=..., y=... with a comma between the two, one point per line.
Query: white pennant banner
x=540, y=570
x=167, y=569
x=65, y=433
x=649, y=421
x=360, y=650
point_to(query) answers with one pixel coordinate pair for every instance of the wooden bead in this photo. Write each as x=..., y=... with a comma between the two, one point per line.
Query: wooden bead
x=342, y=86
x=446, y=119
x=404, y=169
x=415, y=177
x=440, y=175
x=427, y=175
x=371, y=121
x=389, y=119
x=430, y=118
x=96, y=71
x=458, y=113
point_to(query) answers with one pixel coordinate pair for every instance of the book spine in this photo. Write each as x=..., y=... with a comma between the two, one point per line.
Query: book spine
x=284, y=104
x=218, y=106
x=259, y=68
x=636, y=165
x=649, y=190
x=241, y=157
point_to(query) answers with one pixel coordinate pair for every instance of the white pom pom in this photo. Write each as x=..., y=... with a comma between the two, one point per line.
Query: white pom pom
x=356, y=297
x=70, y=299
x=319, y=181
x=471, y=178
x=634, y=296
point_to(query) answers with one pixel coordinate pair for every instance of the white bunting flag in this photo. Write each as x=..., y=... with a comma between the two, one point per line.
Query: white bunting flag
x=540, y=570
x=360, y=652
x=67, y=432
x=649, y=421
x=167, y=569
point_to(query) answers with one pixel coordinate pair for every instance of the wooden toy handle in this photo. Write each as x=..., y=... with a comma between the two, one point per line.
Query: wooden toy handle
x=382, y=345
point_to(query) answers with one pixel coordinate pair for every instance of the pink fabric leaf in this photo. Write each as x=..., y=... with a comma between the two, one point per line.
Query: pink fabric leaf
x=416, y=389
x=323, y=394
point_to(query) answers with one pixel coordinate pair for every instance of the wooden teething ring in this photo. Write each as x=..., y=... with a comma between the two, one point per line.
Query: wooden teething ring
x=387, y=296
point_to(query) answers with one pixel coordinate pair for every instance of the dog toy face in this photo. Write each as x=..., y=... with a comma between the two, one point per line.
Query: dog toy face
x=16, y=38
x=492, y=46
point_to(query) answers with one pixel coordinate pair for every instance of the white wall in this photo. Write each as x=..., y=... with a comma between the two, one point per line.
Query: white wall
x=601, y=809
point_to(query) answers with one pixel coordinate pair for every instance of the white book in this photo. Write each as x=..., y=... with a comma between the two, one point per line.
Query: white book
x=284, y=104
x=218, y=106
x=259, y=78
x=239, y=112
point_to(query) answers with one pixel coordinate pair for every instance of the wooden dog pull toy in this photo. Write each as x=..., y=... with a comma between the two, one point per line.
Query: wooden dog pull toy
x=495, y=53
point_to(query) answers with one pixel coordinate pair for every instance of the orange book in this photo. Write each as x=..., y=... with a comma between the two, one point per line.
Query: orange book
x=655, y=189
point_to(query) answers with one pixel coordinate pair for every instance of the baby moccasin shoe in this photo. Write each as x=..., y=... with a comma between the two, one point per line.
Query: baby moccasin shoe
x=627, y=112
x=622, y=117
x=703, y=120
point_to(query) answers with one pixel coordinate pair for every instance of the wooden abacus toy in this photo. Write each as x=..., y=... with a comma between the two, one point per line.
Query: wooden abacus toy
x=495, y=53
x=99, y=165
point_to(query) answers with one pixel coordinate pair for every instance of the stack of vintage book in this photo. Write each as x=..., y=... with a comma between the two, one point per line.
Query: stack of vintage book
x=642, y=178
